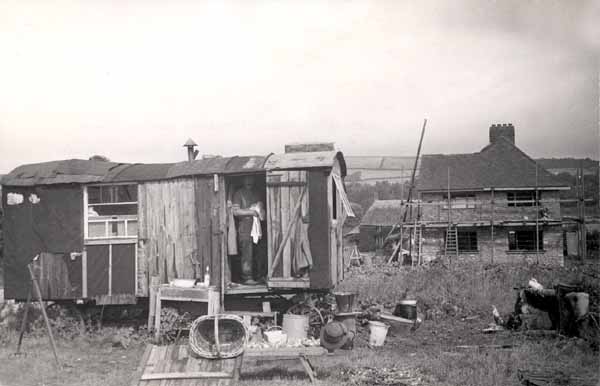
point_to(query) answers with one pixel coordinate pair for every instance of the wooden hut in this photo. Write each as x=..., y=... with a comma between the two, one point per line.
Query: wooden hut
x=103, y=230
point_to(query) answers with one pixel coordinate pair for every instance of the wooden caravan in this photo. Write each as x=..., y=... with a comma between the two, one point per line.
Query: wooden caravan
x=102, y=231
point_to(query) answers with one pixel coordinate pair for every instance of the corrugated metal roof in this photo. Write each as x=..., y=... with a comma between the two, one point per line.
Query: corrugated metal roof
x=499, y=165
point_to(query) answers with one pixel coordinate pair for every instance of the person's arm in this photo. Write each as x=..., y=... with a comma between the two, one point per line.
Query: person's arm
x=238, y=211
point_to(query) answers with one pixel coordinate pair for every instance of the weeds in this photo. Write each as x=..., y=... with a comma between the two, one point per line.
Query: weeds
x=464, y=289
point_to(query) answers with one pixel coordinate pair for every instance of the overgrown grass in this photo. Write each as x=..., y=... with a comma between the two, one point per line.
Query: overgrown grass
x=430, y=355
x=464, y=288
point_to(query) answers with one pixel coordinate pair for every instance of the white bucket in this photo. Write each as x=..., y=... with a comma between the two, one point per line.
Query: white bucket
x=378, y=333
x=295, y=326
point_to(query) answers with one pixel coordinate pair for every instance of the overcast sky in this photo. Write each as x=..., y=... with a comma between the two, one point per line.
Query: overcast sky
x=132, y=80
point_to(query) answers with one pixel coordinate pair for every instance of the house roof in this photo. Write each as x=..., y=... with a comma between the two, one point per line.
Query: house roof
x=96, y=171
x=498, y=165
x=383, y=213
x=568, y=163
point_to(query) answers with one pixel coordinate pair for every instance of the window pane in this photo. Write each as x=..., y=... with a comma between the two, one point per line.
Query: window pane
x=467, y=241
x=524, y=240
x=116, y=210
x=107, y=195
x=132, y=228
x=127, y=193
x=512, y=240
x=96, y=229
x=116, y=228
x=93, y=194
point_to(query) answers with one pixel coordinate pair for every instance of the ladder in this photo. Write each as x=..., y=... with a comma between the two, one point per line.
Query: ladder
x=451, y=246
x=418, y=243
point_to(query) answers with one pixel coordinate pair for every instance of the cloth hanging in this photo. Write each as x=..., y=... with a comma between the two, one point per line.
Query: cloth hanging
x=256, y=232
x=232, y=245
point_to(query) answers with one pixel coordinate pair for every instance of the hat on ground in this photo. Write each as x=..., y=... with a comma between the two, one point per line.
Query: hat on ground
x=334, y=335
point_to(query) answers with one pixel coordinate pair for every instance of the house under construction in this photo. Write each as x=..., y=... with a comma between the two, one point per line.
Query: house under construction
x=496, y=205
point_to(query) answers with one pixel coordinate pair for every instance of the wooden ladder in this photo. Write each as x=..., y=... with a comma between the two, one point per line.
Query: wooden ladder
x=451, y=246
x=418, y=244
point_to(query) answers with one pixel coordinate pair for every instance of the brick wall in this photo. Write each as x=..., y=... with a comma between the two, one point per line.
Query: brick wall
x=434, y=208
x=552, y=254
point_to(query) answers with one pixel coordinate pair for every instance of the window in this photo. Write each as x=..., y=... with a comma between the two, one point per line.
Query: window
x=521, y=198
x=111, y=211
x=467, y=241
x=460, y=201
x=524, y=240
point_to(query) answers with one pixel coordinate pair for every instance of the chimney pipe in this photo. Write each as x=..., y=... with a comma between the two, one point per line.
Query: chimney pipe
x=504, y=130
x=191, y=153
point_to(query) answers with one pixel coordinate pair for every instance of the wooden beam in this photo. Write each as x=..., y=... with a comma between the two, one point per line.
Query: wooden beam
x=286, y=183
x=190, y=375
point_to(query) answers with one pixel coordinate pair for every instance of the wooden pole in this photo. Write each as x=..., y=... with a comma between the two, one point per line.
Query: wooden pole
x=492, y=226
x=217, y=344
x=449, y=201
x=582, y=214
x=24, y=321
x=36, y=288
x=579, y=204
x=537, y=218
x=412, y=181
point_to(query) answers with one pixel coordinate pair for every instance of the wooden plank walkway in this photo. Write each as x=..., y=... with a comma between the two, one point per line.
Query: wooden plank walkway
x=173, y=365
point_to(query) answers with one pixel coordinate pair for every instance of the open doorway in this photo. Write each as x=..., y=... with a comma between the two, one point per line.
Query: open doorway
x=247, y=233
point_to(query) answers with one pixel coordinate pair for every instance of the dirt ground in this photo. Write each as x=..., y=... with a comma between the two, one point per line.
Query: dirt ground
x=438, y=353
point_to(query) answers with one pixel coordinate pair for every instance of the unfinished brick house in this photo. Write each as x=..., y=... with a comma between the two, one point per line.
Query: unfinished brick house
x=495, y=205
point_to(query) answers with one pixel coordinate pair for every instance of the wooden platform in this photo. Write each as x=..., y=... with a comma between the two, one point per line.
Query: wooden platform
x=208, y=295
x=301, y=354
x=173, y=365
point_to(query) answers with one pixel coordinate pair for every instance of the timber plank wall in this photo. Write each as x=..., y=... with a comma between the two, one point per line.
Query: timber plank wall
x=178, y=222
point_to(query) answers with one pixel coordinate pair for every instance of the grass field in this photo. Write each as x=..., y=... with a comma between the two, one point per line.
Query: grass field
x=457, y=302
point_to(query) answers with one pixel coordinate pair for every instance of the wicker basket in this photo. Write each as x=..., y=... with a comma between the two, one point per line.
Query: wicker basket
x=231, y=333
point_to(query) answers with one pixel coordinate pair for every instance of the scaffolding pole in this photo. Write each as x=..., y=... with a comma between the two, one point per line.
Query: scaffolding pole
x=492, y=225
x=537, y=218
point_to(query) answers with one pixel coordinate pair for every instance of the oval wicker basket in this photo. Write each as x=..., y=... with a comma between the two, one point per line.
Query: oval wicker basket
x=231, y=333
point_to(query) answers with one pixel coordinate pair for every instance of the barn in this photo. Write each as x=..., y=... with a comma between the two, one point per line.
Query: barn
x=102, y=231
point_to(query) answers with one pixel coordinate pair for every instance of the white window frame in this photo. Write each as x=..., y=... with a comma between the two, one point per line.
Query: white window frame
x=108, y=221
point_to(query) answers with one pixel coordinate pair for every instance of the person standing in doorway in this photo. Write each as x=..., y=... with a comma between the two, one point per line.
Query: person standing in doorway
x=246, y=208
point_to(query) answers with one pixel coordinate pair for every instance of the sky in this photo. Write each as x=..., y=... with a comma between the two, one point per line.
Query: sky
x=133, y=80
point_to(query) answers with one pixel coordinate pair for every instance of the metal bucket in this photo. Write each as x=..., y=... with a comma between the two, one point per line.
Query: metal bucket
x=344, y=301
x=378, y=333
x=406, y=309
x=295, y=326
